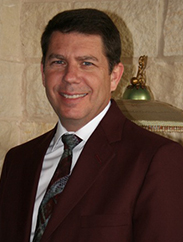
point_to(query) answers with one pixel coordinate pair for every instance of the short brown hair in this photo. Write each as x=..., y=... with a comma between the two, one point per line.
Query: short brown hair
x=86, y=21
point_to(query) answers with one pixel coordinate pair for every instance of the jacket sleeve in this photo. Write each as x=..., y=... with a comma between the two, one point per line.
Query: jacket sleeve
x=158, y=214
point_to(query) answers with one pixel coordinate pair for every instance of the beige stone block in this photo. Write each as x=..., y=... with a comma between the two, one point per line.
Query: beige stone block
x=34, y=18
x=68, y=1
x=10, y=44
x=31, y=130
x=165, y=81
x=36, y=103
x=9, y=137
x=14, y=133
x=173, y=29
x=10, y=89
x=137, y=22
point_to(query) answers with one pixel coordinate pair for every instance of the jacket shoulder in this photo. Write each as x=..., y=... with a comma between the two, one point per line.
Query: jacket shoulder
x=42, y=140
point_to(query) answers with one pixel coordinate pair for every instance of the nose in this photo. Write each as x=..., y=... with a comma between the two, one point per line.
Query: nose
x=71, y=74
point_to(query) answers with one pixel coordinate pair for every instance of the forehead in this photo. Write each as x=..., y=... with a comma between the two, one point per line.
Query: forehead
x=75, y=41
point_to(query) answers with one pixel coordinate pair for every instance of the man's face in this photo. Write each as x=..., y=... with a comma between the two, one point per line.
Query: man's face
x=76, y=77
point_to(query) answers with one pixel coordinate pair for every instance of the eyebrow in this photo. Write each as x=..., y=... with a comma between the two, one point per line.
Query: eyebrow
x=80, y=58
x=85, y=58
x=52, y=56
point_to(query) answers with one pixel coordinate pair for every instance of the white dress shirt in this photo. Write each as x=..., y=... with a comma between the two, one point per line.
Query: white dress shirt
x=53, y=155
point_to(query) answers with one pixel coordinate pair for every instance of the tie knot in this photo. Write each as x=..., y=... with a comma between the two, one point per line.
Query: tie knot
x=70, y=141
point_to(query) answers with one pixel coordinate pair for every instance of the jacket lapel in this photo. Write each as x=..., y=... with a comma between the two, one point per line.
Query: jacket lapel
x=93, y=160
x=32, y=168
x=34, y=160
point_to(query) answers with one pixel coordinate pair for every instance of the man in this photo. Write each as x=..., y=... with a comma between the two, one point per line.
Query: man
x=125, y=184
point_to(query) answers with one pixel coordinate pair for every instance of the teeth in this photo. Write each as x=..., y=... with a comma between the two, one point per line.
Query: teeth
x=73, y=96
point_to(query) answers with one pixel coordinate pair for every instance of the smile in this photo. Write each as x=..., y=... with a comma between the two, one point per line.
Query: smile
x=73, y=96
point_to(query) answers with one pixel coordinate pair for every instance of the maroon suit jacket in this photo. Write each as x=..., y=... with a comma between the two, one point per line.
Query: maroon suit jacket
x=127, y=186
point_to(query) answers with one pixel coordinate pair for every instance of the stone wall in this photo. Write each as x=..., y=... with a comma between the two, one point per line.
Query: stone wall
x=152, y=28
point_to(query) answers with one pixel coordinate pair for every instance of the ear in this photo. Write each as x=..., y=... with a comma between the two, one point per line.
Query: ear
x=43, y=74
x=116, y=75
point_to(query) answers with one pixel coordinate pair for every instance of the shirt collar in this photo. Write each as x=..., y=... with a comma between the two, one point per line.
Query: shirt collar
x=84, y=133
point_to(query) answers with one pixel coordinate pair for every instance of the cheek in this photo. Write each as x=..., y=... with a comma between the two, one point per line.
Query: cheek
x=100, y=82
x=50, y=80
x=50, y=89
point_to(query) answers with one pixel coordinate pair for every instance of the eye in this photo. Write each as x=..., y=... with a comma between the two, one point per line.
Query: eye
x=87, y=63
x=59, y=62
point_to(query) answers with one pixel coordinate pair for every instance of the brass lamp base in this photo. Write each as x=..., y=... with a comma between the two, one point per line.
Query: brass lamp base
x=138, y=89
x=134, y=93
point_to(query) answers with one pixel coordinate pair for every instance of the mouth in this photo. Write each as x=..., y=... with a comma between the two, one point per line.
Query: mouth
x=73, y=96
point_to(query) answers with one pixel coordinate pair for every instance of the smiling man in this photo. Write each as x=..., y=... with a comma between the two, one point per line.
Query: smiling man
x=96, y=177
x=77, y=78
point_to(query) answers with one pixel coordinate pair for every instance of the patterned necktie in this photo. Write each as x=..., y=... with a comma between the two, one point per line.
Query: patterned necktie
x=56, y=185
